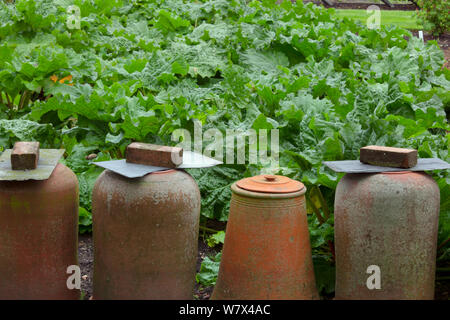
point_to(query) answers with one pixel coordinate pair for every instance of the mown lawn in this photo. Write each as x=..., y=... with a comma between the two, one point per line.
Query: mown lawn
x=404, y=19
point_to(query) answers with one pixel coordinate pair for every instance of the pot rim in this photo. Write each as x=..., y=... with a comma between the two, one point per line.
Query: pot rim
x=396, y=172
x=264, y=195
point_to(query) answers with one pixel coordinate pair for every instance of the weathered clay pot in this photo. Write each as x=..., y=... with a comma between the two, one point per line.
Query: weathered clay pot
x=389, y=220
x=267, y=253
x=145, y=236
x=38, y=236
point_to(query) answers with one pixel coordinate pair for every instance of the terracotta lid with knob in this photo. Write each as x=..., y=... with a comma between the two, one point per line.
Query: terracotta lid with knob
x=267, y=183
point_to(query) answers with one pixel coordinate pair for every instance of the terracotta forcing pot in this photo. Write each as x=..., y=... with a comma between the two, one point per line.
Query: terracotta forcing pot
x=38, y=236
x=145, y=234
x=388, y=220
x=267, y=253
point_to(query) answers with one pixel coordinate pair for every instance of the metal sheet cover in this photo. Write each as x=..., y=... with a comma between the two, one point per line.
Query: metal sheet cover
x=132, y=170
x=356, y=166
x=48, y=159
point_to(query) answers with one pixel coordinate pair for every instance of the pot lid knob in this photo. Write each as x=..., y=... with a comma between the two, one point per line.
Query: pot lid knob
x=268, y=183
x=269, y=177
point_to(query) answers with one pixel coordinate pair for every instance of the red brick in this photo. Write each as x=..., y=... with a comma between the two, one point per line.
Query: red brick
x=388, y=156
x=154, y=155
x=25, y=156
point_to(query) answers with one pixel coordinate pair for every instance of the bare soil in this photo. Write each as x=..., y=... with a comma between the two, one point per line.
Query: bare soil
x=442, y=290
x=447, y=58
x=86, y=263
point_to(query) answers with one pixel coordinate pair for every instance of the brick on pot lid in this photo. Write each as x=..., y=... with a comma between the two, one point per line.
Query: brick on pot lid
x=154, y=155
x=25, y=155
x=388, y=156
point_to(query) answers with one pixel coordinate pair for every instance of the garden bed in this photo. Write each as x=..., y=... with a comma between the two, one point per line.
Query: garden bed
x=86, y=258
x=203, y=293
x=444, y=43
x=140, y=72
x=443, y=40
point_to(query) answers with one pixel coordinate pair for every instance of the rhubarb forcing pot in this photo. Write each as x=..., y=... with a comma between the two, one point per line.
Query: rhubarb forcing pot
x=386, y=227
x=145, y=233
x=39, y=236
x=267, y=253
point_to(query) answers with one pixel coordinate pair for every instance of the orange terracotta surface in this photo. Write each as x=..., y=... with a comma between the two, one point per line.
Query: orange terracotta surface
x=267, y=253
x=145, y=233
x=38, y=236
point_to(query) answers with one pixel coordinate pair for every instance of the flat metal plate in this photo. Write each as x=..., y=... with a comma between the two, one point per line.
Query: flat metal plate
x=133, y=170
x=356, y=166
x=48, y=159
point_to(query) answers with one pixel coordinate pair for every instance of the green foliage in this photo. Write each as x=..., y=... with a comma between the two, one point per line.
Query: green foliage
x=25, y=130
x=215, y=239
x=209, y=270
x=320, y=233
x=436, y=13
x=215, y=189
x=84, y=221
x=325, y=273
